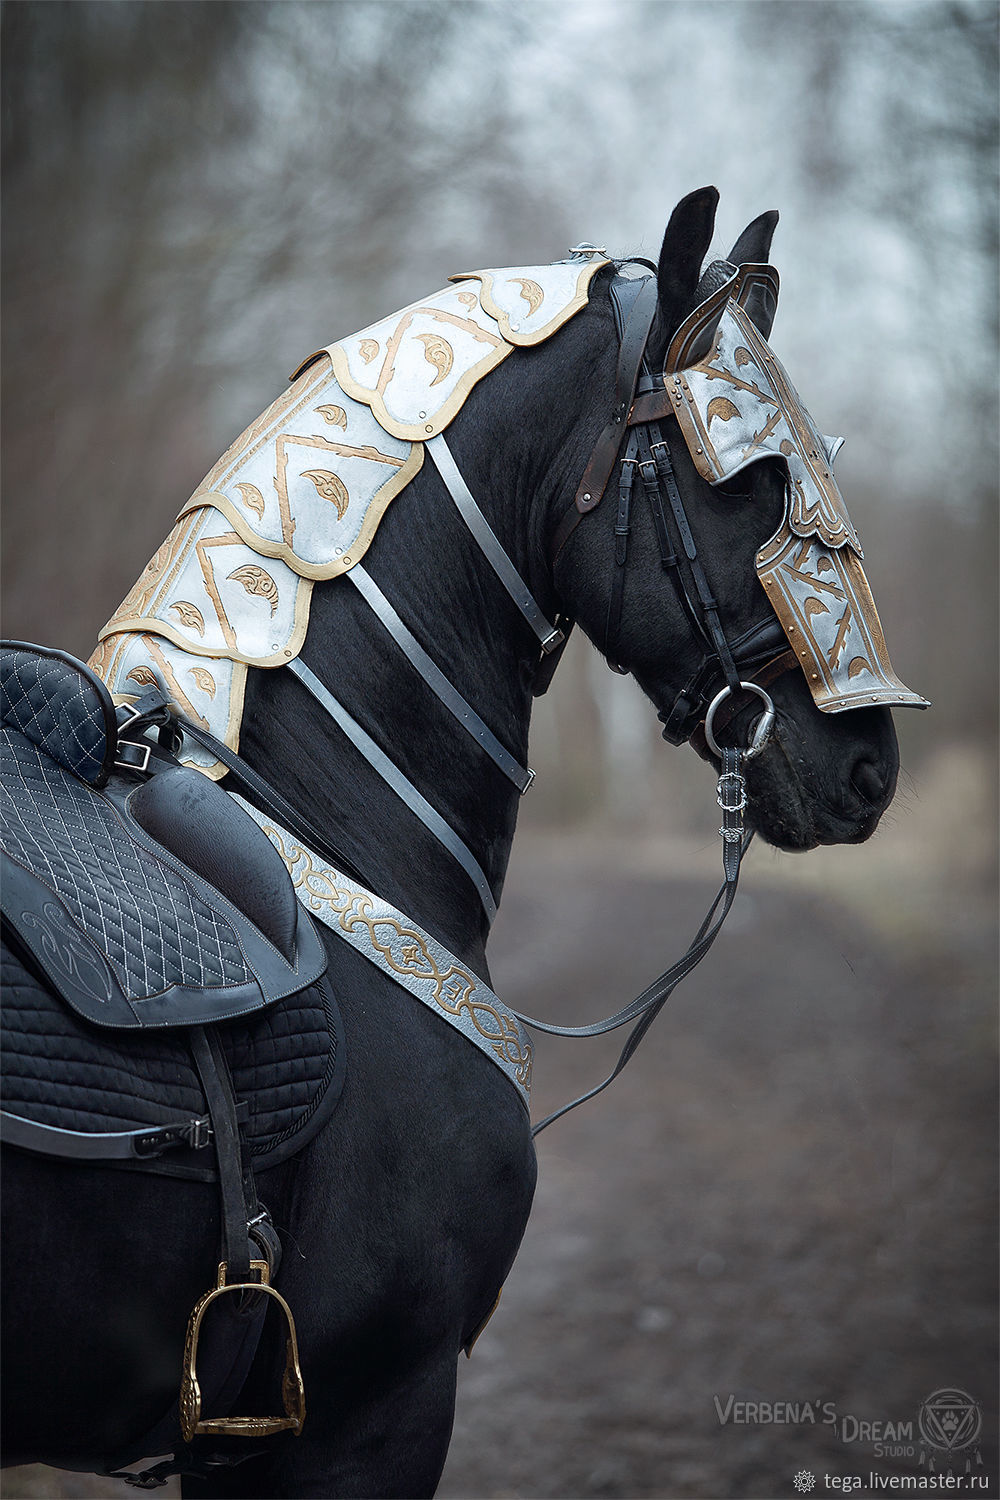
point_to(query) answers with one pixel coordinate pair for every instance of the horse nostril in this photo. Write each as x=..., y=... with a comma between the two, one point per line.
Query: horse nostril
x=867, y=781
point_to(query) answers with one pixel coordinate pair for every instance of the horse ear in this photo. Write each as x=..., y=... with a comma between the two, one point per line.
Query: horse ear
x=754, y=245
x=685, y=246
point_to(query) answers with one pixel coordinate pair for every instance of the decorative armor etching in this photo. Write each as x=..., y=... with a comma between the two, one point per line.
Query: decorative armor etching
x=309, y=481
x=215, y=595
x=416, y=367
x=207, y=690
x=822, y=598
x=737, y=405
x=300, y=494
x=409, y=955
x=530, y=302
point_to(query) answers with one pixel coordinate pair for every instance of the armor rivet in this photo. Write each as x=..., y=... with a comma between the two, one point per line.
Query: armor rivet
x=515, y=328
x=586, y=497
x=347, y=559
x=815, y=677
x=288, y=653
x=421, y=414
x=429, y=427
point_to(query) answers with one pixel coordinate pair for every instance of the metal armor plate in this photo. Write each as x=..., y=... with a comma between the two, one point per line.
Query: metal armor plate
x=737, y=405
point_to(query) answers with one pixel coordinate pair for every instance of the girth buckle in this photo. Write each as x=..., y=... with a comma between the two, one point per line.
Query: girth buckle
x=292, y=1387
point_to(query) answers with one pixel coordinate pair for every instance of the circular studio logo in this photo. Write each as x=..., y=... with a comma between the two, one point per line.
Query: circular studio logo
x=804, y=1481
x=950, y=1420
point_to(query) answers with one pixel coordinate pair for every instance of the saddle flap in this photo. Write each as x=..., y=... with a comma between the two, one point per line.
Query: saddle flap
x=129, y=934
x=61, y=706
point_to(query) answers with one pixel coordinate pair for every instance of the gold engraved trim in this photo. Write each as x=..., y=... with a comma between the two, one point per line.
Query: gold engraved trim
x=257, y=582
x=252, y=497
x=377, y=507
x=825, y=606
x=404, y=951
x=303, y=390
x=335, y=415
x=439, y=353
x=564, y=312
x=156, y=579
x=189, y=614
x=290, y=648
x=107, y=661
x=434, y=421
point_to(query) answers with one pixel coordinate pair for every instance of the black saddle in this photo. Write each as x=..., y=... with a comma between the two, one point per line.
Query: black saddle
x=165, y=992
x=147, y=903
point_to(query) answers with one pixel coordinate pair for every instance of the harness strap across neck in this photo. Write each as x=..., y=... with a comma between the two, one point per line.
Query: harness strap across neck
x=400, y=784
x=463, y=712
x=549, y=635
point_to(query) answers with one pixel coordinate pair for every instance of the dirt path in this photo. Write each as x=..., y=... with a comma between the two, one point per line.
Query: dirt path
x=787, y=1198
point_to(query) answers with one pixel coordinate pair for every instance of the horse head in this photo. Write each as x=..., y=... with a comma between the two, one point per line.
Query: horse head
x=665, y=575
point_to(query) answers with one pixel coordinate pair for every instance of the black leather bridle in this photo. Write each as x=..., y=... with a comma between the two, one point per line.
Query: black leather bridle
x=634, y=442
x=728, y=670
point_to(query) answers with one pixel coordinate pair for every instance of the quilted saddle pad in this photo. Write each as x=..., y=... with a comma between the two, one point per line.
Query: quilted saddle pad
x=287, y=1064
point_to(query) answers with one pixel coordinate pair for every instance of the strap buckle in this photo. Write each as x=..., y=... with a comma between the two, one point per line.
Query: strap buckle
x=554, y=638
x=127, y=761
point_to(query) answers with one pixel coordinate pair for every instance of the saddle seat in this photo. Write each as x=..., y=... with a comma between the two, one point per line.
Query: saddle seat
x=136, y=908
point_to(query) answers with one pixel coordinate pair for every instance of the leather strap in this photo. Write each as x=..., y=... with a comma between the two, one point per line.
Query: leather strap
x=633, y=342
x=437, y=681
x=650, y=406
x=104, y=1145
x=709, y=606
x=623, y=526
x=394, y=778
x=548, y=635
x=217, y=1086
x=647, y=1006
x=633, y=303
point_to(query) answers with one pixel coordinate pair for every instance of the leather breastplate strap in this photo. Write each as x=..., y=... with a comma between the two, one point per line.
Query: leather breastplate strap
x=400, y=784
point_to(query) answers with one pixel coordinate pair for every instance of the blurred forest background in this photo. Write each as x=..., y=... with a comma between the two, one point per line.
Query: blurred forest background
x=196, y=195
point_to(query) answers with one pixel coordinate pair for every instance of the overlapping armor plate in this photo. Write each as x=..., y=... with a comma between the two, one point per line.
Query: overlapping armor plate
x=300, y=494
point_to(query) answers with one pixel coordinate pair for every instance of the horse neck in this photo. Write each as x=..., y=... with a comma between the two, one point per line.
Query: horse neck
x=510, y=443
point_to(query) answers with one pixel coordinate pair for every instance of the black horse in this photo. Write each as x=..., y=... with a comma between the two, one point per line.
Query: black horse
x=402, y=1218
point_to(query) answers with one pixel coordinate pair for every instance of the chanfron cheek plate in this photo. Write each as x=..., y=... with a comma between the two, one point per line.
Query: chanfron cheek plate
x=737, y=406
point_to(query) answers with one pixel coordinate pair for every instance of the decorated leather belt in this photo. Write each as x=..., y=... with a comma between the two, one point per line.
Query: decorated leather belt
x=410, y=956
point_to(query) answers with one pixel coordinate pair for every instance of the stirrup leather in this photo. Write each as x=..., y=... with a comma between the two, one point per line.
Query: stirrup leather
x=292, y=1388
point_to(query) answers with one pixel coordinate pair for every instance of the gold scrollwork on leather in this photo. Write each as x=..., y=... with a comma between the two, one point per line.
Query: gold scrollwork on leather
x=405, y=952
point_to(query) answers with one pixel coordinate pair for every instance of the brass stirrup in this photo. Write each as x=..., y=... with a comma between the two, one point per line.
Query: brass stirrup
x=292, y=1388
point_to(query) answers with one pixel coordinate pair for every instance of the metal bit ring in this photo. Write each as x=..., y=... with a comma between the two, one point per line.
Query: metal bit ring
x=765, y=723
